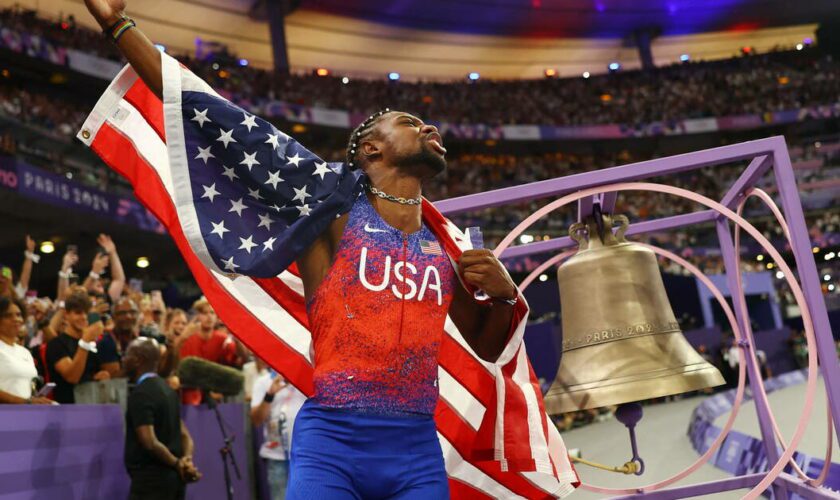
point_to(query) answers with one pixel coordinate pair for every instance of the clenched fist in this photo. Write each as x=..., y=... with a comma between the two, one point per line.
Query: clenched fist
x=481, y=269
x=105, y=11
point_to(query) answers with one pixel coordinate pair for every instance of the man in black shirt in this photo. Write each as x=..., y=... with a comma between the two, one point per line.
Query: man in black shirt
x=158, y=447
x=71, y=357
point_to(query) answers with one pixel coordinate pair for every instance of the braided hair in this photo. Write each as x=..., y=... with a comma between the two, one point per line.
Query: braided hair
x=363, y=130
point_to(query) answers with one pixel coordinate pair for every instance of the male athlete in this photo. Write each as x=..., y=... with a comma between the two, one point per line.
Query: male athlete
x=378, y=289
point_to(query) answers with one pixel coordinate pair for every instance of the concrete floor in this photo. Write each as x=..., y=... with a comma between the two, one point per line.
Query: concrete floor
x=666, y=450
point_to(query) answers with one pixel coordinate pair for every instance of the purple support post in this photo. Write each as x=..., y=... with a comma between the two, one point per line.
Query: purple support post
x=808, y=275
x=648, y=226
x=695, y=490
x=757, y=168
x=727, y=248
x=795, y=485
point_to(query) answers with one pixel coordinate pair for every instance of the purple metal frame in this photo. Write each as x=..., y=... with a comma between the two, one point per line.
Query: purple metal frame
x=763, y=154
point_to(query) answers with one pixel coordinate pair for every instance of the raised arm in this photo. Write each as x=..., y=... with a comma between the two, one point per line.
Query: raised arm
x=26, y=270
x=134, y=45
x=115, y=289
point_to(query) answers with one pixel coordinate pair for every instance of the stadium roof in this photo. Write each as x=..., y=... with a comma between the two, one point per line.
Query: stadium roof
x=581, y=18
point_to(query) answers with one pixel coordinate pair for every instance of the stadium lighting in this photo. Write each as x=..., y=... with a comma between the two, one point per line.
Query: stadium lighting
x=815, y=249
x=827, y=277
x=161, y=47
x=780, y=274
x=685, y=57
x=47, y=247
x=586, y=74
x=614, y=66
x=345, y=80
x=543, y=277
x=322, y=72
x=550, y=72
x=526, y=238
x=142, y=262
x=215, y=66
x=393, y=76
x=473, y=76
x=831, y=287
x=829, y=256
x=759, y=257
x=799, y=46
x=243, y=62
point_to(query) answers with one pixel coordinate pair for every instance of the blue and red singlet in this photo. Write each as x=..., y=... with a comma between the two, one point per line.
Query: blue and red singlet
x=377, y=318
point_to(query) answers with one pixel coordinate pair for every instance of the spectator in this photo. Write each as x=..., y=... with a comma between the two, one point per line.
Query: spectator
x=174, y=325
x=209, y=342
x=106, y=255
x=203, y=339
x=113, y=343
x=17, y=368
x=158, y=446
x=274, y=406
x=72, y=357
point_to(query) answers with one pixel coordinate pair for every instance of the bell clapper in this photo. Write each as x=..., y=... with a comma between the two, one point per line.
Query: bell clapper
x=628, y=414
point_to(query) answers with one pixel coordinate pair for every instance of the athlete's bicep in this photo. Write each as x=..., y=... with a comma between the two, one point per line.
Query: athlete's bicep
x=315, y=261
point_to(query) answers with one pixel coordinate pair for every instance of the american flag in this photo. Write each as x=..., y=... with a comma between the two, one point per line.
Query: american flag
x=241, y=200
x=430, y=247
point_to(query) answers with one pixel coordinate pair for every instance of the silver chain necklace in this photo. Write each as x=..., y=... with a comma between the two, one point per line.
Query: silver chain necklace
x=395, y=199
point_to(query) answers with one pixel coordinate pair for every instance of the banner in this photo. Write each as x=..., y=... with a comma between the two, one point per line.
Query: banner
x=46, y=187
x=741, y=454
x=92, y=65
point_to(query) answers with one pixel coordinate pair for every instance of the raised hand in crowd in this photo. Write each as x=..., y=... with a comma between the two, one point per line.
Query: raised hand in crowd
x=115, y=289
x=70, y=259
x=30, y=258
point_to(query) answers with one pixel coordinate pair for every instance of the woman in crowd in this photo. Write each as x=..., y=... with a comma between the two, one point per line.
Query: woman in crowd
x=17, y=368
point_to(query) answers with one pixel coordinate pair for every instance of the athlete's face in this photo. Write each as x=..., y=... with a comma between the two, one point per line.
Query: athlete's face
x=411, y=145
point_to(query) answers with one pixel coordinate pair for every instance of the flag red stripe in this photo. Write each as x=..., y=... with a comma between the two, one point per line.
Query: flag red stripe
x=119, y=153
x=464, y=368
x=142, y=98
x=461, y=435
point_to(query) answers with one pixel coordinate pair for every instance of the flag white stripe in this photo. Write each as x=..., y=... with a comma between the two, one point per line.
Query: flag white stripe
x=182, y=193
x=460, y=399
x=539, y=450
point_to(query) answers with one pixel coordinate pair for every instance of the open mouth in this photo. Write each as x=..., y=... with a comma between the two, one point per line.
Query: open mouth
x=437, y=142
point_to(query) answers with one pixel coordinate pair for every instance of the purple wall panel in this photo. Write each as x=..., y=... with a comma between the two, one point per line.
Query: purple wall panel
x=76, y=452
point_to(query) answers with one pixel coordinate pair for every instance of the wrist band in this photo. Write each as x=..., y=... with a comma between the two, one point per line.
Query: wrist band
x=34, y=257
x=268, y=398
x=510, y=302
x=94, y=275
x=118, y=28
x=88, y=346
x=65, y=274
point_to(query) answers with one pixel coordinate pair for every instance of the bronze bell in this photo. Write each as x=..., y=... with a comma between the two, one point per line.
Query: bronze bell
x=621, y=341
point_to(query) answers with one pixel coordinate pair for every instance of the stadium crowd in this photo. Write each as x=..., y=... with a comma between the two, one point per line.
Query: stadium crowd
x=753, y=84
